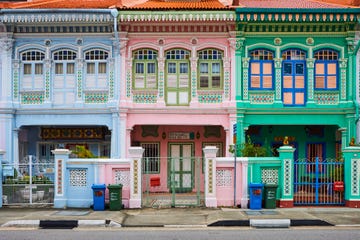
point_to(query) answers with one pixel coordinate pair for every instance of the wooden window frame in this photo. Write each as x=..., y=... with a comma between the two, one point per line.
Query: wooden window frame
x=210, y=57
x=146, y=57
x=326, y=57
x=261, y=57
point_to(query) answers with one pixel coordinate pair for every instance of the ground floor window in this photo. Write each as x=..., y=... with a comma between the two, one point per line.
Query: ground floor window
x=151, y=157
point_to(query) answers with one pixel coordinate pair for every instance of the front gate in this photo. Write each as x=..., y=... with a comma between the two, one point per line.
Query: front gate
x=319, y=182
x=175, y=185
x=28, y=182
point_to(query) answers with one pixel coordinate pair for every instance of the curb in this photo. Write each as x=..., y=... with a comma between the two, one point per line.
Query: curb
x=185, y=226
x=22, y=223
x=270, y=223
x=51, y=224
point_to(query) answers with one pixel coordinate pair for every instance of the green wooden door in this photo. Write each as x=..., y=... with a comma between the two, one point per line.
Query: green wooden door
x=181, y=175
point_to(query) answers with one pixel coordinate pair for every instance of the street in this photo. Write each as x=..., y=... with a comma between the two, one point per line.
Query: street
x=182, y=234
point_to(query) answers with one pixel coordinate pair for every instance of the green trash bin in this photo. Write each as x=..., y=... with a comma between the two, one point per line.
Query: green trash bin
x=270, y=195
x=115, y=196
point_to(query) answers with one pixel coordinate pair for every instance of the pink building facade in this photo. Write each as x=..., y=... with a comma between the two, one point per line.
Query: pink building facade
x=177, y=91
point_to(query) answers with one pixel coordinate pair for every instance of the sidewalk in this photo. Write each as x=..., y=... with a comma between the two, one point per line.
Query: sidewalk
x=182, y=217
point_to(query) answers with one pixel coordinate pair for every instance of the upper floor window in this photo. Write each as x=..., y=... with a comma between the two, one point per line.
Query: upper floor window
x=96, y=68
x=33, y=62
x=261, y=69
x=145, y=69
x=326, y=70
x=177, y=77
x=33, y=69
x=210, y=66
x=294, y=54
x=64, y=62
x=294, y=77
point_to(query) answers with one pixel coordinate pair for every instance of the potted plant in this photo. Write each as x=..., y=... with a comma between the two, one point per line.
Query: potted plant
x=82, y=152
x=248, y=149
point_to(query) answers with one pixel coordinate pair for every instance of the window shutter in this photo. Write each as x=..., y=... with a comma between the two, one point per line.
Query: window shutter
x=267, y=82
x=320, y=82
x=255, y=82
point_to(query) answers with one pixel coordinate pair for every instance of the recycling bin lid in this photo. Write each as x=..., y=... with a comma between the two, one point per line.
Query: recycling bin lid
x=114, y=186
x=256, y=185
x=98, y=186
x=271, y=185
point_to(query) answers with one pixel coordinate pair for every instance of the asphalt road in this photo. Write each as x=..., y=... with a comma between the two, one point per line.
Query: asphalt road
x=182, y=234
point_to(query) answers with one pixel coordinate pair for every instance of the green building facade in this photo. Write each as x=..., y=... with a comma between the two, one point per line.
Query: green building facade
x=295, y=71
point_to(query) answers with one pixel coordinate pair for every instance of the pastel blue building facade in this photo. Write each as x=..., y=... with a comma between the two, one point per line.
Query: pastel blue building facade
x=59, y=80
x=59, y=88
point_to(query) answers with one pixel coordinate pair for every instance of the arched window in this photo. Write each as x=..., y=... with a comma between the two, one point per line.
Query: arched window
x=64, y=87
x=210, y=69
x=96, y=69
x=261, y=69
x=64, y=62
x=294, y=80
x=326, y=70
x=145, y=69
x=33, y=69
x=177, y=77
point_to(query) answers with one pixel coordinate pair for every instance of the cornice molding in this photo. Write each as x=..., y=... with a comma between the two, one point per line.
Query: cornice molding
x=308, y=17
x=172, y=16
x=56, y=17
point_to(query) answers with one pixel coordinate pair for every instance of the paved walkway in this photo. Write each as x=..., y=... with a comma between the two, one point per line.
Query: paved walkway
x=182, y=217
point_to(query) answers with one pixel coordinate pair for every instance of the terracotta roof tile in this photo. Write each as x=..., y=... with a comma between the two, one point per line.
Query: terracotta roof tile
x=288, y=4
x=65, y=4
x=344, y=2
x=179, y=4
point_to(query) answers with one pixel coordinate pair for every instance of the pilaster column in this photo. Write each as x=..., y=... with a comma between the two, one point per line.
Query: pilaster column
x=346, y=82
x=61, y=158
x=79, y=80
x=2, y=153
x=15, y=147
x=310, y=63
x=135, y=155
x=193, y=79
x=48, y=89
x=161, y=85
x=239, y=68
x=6, y=47
x=126, y=86
x=344, y=137
x=210, y=176
x=115, y=135
x=244, y=180
x=278, y=68
x=286, y=154
x=352, y=176
x=245, y=82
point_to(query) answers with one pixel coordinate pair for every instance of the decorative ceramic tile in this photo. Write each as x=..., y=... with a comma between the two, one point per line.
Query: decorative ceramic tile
x=122, y=176
x=78, y=177
x=270, y=175
x=224, y=178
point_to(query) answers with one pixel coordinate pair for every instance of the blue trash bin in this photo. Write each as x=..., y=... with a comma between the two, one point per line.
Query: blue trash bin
x=99, y=197
x=256, y=190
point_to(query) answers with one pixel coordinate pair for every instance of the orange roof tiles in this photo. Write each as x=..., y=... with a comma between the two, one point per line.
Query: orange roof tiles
x=179, y=4
x=288, y=4
x=343, y=2
x=94, y=4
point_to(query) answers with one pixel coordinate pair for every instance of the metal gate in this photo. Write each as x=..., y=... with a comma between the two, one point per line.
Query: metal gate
x=178, y=186
x=28, y=183
x=319, y=182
